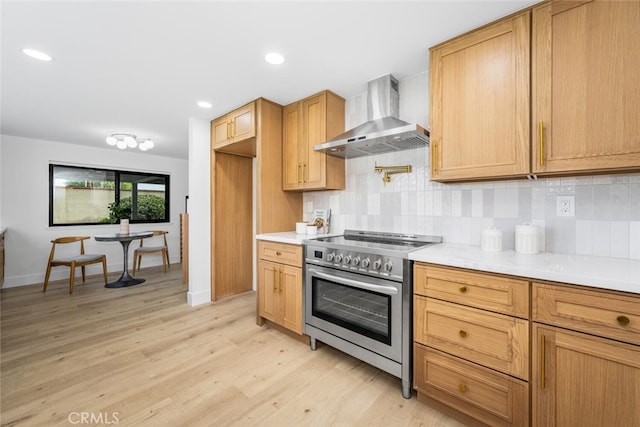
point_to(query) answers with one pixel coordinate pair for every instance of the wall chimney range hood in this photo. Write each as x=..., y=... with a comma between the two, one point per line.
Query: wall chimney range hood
x=384, y=132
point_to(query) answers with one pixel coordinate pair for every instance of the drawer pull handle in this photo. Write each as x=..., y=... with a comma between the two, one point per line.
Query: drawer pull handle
x=278, y=253
x=462, y=388
x=462, y=333
x=463, y=289
x=623, y=320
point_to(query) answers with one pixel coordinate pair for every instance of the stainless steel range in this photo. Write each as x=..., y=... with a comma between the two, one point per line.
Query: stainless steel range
x=358, y=297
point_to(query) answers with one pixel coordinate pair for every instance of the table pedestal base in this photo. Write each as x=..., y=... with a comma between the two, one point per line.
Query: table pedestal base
x=124, y=281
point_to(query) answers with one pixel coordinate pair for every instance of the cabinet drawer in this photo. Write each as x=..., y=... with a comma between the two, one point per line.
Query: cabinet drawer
x=280, y=252
x=487, y=291
x=489, y=339
x=595, y=312
x=482, y=393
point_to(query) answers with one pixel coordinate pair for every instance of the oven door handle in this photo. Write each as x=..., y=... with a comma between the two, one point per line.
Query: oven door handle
x=387, y=290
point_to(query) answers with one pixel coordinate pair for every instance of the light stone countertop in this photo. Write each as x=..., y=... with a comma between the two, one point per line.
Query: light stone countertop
x=600, y=272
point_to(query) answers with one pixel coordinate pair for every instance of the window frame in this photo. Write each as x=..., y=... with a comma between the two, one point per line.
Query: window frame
x=117, y=174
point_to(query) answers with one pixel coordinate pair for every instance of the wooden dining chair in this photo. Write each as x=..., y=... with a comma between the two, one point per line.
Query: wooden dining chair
x=73, y=261
x=162, y=250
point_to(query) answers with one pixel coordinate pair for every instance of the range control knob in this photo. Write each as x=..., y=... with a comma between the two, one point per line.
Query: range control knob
x=377, y=264
x=388, y=266
x=347, y=259
x=330, y=257
x=338, y=258
x=365, y=263
x=355, y=261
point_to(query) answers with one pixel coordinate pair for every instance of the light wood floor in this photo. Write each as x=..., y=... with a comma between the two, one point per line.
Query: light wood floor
x=141, y=356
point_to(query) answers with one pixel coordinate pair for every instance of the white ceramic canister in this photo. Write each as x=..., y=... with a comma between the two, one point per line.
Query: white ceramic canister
x=301, y=228
x=312, y=229
x=491, y=240
x=527, y=241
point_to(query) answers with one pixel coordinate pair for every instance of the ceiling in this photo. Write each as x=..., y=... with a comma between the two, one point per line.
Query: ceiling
x=141, y=66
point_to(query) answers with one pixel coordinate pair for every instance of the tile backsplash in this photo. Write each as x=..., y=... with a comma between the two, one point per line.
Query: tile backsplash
x=606, y=220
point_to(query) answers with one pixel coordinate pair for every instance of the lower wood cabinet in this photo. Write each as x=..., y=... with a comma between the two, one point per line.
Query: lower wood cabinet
x=471, y=342
x=280, y=284
x=585, y=357
x=472, y=350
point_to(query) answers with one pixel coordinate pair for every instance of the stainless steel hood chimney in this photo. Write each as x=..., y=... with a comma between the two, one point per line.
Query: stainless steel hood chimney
x=384, y=132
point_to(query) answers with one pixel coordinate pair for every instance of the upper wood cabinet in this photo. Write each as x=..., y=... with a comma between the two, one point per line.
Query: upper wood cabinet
x=235, y=132
x=585, y=87
x=480, y=84
x=306, y=123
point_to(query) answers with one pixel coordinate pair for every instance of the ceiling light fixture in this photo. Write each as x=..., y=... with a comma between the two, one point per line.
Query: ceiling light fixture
x=204, y=104
x=129, y=140
x=274, y=58
x=36, y=54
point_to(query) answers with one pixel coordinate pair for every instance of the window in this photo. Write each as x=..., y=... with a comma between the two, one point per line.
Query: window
x=81, y=196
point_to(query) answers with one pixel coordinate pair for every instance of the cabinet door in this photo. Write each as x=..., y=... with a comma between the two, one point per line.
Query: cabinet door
x=480, y=103
x=585, y=86
x=314, y=119
x=243, y=123
x=291, y=137
x=268, y=290
x=220, y=132
x=291, y=298
x=581, y=380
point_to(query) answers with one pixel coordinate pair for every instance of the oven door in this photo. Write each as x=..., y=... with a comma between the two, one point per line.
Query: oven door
x=364, y=310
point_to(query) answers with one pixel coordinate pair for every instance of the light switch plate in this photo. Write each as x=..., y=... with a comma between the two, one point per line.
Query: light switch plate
x=309, y=206
x=565, y=206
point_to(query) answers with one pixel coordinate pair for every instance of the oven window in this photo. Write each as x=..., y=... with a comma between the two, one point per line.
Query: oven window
x=361, y=311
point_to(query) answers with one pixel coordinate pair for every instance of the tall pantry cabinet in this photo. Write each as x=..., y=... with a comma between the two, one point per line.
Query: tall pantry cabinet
x=236, y=175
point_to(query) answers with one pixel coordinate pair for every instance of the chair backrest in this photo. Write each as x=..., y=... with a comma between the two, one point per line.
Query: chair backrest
x=162, y=233
x=65, y=240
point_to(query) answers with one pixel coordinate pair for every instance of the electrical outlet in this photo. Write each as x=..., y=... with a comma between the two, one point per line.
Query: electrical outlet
x=565, y=206
x=309, y=206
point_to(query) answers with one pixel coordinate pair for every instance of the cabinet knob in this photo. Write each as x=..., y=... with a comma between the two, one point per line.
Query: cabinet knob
x=623, y=320
x=462, y=333
x=278, y=253
x=462, y=388
x=463, y=289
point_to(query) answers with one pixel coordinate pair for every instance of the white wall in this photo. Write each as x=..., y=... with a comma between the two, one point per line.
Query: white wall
x=199, y=213
x=24, y=204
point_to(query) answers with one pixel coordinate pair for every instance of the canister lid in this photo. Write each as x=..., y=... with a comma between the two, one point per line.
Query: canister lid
x=526, y=229
x=491, y=231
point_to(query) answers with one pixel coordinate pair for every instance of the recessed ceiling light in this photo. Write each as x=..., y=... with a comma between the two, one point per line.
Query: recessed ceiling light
x=37, y=54
x=274, y=58
x=204, y=104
